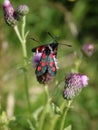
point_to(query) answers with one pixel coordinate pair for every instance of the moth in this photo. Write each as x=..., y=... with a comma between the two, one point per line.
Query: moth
x=46, y=65
x=45, y=61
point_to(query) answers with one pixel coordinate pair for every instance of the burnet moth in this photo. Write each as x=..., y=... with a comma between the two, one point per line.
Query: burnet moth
x=45, y=61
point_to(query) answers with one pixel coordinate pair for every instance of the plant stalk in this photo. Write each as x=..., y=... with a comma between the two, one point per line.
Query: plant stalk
x=22, y=40
x=65, y=114
x=42, y=119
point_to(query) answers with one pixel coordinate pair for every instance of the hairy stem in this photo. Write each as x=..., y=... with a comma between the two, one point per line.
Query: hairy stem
x=22, y=40
x=56, y=118
x=18, y=33
x=42, y=119
x=64, y=115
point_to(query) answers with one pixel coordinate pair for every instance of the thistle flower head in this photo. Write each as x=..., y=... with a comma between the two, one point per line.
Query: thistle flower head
x=36, y=59
x=9, y=13
x=76, y=80
x=74, y=83
x=22, y=10
x=6, y=3
x=88, y=49
x=68, y=93
x=84, y=80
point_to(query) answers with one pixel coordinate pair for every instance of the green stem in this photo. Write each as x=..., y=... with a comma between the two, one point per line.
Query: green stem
x=27, y=89
x=18, y=34
x=23, y=27
x=47, y=92
x=42, y=119
x=56, y=117
x=64, y=115
x=22, y=40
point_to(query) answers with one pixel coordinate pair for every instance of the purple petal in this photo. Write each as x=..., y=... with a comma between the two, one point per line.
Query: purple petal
x=36, y=59
x=6, y=3
x=88, y=49
x=84, y=79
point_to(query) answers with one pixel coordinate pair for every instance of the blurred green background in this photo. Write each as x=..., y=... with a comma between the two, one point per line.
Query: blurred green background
x=75, y=22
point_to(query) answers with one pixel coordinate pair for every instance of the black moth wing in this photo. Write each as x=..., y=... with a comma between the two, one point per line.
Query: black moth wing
x=39, y=48
x=53, y=45
x=52, y=65
x=47, y=61
x=46, y=65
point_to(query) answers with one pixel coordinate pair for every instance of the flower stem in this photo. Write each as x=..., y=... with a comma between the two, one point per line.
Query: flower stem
x=23, y=27
x=56, y=118
x=22, y=40
x=18, y=34
x=42, y=119
x=64, y=115
x=47, y=92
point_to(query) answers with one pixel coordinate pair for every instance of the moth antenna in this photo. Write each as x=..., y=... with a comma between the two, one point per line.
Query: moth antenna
x=50, y=35
x=66, y=45
x=56, y=40
x=34, y=39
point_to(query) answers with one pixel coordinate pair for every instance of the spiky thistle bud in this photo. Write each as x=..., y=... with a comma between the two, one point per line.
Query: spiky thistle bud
x=74, y=83
x=10, y=14
x=22, y=10
x=88, y=49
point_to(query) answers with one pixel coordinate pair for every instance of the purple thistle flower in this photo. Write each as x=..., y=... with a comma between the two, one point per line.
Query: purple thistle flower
x=10, y=14
x=74, y=83
x=68, y=93
x=36, y=59
x=88, y=49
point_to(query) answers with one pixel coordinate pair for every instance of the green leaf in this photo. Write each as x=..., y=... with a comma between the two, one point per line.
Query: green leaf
x=30, y=125
x=56, y=109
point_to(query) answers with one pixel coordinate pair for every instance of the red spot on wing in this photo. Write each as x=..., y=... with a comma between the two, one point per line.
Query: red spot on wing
x=51, y=55
x=51, y=64
x=39, y=68
x=43, y=63
x=53, y=69
x=41, y=48
x=43, y=55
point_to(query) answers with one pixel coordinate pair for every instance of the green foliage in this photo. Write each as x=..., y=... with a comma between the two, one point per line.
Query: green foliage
x=75, y=23
x=3, y=121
